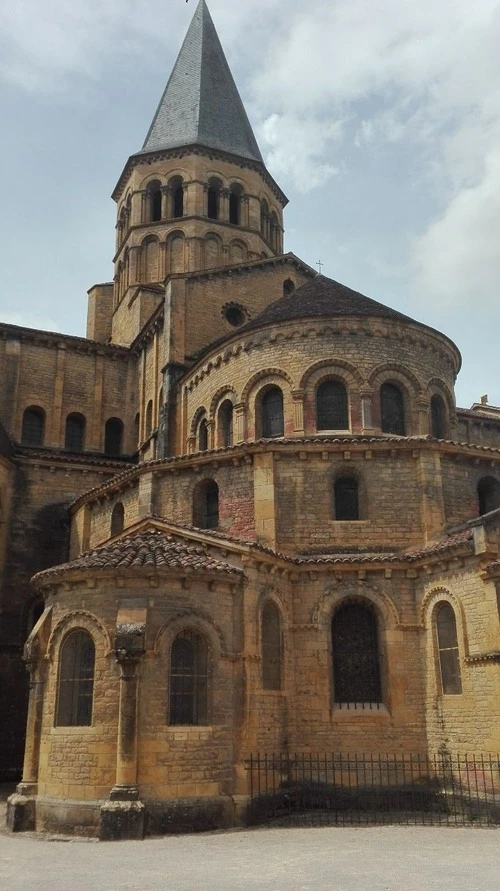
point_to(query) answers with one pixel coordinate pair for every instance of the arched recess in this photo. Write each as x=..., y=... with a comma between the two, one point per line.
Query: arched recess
x=393, y=409
x=74, y=437
x=175, y=253
x=288, y=287
x=79, y=619
x=440, y=387
x=430, y=604
x=274, y=233
x=328, y=368
x=212, y=248
x=226, y=392
x=447, y=649
x=270, y=412
x=488, y=494
x=149, y=418
x=33, y=426
x=150, y=259
x=264, y=219
x=333, y=596
x=238, y=252
x=267, y=376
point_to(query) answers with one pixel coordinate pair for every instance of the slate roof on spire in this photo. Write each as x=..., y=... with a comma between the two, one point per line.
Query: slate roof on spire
x=201, y=104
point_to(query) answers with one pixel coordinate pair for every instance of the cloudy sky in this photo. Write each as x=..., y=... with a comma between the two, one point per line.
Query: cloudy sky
x=379, y=118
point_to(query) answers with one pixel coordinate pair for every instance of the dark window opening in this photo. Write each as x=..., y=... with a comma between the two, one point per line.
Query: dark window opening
x=488, y=493
x=272, y=419
x=117, y=519
x=213, y=199
x=33, y=427
x=288, y=287
x=188, y=680
x=203, y=435
x=438, y=418
x=149, y=417
x=177, y=196
x=206, y=505
x=76, y=681
x=271, y=648
x=235, y=204
x=356, y=658
x=392, y=409
x=331, y=406
x=113, y=436
x=154, y=199
x=346, y=499
x=75, y=433
x=234, y=315
x=449, y=661
x=226, y=424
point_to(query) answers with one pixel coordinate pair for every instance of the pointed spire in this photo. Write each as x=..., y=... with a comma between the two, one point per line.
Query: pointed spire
x=201, y=103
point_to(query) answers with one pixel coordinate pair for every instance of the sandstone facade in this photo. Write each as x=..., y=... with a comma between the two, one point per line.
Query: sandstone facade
x=256, y=518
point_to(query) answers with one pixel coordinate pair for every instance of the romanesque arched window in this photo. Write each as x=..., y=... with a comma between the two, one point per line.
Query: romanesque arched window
x=153, y=196
x=75, y=688
x=149, y=418
x=235, y=196
x=206, y=505
x=225, y=424
x=150, y=259
x=438, y=417
x=213, y=198
x=288, y=287
x=33, y=428
x=447, y=645
x=113, y=437
x=202, y=435
x=271, y=647
x=264, y=220
x=346, y=498
x=188, y=699
x=176, y=186
x=331, y=406
x=488, y=494
x=356, y=656
x=275, y=234
x=117, y=519
x=271, y=413
x=74, y=438
x=392, y=409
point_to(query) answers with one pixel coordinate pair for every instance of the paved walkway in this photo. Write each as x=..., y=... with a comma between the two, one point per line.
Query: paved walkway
x=347, y=859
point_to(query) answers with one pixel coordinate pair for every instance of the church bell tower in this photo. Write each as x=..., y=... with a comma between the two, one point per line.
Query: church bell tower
x=197, y=196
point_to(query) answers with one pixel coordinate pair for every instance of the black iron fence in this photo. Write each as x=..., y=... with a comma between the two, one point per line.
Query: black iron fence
x=345, y=789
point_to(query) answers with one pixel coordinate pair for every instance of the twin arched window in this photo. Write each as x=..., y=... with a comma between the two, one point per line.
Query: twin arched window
x=331, y=406
x=271, y=413
x=188, y=699
x=153, y=195
x=33, y=427
x=213, y=198
x=75, y=689
x=447, y=646
x=392, y=409
x=74, y=438
x=356, y=654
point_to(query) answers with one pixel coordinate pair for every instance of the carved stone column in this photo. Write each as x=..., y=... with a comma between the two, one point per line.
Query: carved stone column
x=298, y=412
x=366, y=395
x=224, y=205
x=122, y=817
x=166, y=193
x=239, y=431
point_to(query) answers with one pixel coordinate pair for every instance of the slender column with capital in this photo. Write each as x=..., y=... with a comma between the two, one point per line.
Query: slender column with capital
x=125, y=788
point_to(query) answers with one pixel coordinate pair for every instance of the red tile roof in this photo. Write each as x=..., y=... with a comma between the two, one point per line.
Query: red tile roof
x=149, y=550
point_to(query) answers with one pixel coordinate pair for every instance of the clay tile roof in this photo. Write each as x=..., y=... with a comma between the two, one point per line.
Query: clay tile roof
x=142, y=550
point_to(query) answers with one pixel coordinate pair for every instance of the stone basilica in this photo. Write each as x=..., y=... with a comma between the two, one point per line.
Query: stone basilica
x=255, y=519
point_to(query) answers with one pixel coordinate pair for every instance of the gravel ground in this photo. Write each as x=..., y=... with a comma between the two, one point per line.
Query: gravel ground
x=344, y=859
